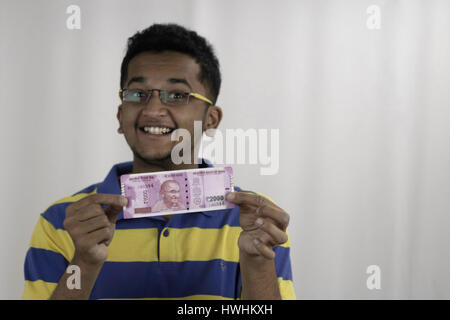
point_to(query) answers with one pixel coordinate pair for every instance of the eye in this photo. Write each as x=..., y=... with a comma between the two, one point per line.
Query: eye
x=134, y=95
x=176, y=95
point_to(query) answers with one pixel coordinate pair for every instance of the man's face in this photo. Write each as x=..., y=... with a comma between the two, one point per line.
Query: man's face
x=165, y=70
x=171, y=193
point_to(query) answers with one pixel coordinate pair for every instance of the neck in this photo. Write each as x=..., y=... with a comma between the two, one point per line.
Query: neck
x=144, y=166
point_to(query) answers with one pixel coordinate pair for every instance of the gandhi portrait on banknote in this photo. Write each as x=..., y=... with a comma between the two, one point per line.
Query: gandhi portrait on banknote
x=170, y=197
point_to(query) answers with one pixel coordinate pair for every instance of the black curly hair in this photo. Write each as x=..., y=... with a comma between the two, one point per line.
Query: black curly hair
x=173, y=37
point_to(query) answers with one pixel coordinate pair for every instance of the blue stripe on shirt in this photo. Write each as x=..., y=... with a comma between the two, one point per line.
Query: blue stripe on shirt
x=46, y=265
x=165, y=279
x=283, y=269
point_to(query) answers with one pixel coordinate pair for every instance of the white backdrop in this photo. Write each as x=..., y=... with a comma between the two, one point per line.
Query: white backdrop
x=363, y=116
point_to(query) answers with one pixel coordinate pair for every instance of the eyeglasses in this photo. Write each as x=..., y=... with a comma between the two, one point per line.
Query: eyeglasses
x=174, y=97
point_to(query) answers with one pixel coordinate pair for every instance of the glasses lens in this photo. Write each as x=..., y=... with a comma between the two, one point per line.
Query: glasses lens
x=174, y=97
x=136, y=96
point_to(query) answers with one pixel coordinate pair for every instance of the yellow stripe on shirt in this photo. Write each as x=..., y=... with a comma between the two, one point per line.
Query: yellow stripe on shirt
x=198, y=244
x=45, y=236
x=38, y=290
x=134, y=245
x=286, y=289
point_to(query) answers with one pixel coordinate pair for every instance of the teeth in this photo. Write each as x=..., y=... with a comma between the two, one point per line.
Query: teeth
x=157, y=130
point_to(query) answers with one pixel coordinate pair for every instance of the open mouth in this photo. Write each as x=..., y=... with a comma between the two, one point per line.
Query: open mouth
x=156, y=130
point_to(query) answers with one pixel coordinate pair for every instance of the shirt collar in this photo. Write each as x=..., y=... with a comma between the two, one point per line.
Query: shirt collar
x=111, y=182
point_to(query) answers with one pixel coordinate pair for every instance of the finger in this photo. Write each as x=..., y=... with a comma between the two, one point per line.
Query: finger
x=247, y=202
x=101, y=198
x=264, y=250
x=278, y=215
x=247, y=198
x=95, y=223
x=103, y=235
x=277, y=236
x=90, y=211
x=77, y=228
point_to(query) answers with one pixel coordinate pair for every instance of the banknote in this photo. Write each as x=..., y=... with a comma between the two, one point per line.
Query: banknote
x=174, y=192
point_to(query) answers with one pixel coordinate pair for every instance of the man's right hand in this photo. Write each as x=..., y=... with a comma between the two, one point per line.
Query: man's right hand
x=91, y=227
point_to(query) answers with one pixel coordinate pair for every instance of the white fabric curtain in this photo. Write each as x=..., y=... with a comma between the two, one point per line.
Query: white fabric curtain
x=361, y=104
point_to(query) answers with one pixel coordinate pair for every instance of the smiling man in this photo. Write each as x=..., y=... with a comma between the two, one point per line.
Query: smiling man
x=169, y=78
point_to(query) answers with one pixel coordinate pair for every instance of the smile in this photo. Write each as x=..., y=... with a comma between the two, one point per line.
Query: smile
x=156, y=130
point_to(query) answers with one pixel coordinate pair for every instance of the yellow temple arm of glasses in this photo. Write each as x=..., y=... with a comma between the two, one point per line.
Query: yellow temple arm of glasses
x=199, y=96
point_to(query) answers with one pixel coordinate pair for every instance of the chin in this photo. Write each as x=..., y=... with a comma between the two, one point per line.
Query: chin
x=152, y=156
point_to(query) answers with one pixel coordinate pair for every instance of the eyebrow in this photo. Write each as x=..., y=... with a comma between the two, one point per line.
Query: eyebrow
x=141, y=79
x=179, y=80
x=136, y=79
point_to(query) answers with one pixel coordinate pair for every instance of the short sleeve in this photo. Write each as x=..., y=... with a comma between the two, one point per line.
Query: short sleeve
x=46, y=260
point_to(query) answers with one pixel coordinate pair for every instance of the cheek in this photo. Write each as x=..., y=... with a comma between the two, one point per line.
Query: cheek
x=186, y=117
x=128, y=120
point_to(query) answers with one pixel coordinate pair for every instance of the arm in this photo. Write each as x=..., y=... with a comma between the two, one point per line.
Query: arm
x=259, y=278
x=88, y=276
x=91, y=229
x=264, y=226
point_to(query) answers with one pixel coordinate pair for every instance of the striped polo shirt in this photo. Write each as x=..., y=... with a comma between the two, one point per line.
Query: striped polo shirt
x=190, y=256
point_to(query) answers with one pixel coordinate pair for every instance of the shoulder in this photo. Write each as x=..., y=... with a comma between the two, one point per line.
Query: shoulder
x=56, y=212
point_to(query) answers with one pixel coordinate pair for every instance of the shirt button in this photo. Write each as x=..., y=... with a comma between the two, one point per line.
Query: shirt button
x=166, y=233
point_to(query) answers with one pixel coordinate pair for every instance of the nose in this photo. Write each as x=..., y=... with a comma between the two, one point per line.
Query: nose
x=154, y=106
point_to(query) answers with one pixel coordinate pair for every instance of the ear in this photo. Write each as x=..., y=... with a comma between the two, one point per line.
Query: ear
x=119, y=117
x=212, y=118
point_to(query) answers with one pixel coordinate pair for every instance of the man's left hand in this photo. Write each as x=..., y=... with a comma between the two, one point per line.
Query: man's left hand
x=264, y=224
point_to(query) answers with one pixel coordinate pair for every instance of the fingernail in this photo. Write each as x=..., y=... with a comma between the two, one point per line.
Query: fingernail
x=230, y=196
x=256, y=241
x=259, y=221
x=124, y=201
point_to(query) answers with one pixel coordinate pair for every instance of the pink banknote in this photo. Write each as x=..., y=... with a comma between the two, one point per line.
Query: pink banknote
x=174, y=192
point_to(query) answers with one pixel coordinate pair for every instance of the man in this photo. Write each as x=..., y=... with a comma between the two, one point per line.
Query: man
x=169, y=78
x=170, y=197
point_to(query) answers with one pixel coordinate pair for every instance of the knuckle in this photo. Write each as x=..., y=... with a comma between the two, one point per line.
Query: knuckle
x=69, y=224
x=104, y=220
x=71, y=210
x=98, y=209
x=285, y=218
x=260, y=200
x=107, y=233
x=66, y=224
x=260, y=210
x=266, y=239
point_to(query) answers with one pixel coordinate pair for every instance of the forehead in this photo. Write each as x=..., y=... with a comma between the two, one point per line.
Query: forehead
x=157, y=68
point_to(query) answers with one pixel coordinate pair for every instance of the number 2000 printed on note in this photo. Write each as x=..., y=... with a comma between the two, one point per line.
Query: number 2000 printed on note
x=174, y=192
